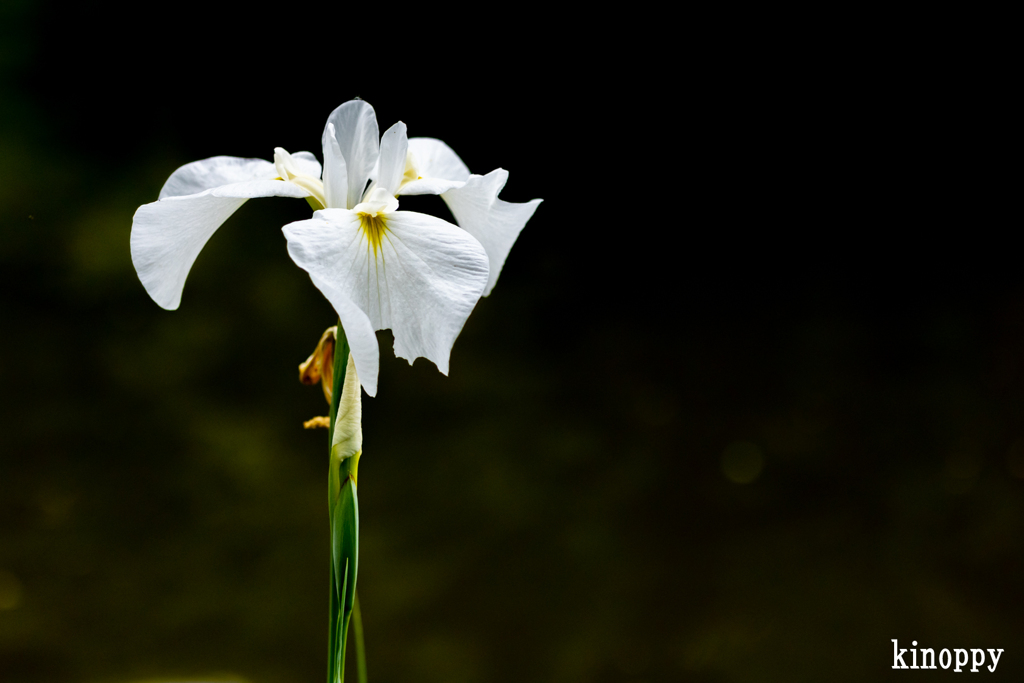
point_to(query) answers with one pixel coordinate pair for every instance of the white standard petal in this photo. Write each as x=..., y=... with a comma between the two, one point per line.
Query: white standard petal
x=415, y=274
x=494, y=222
x=391, y=164
x=335, y=171
x=355, y=129
x=168, y=235
x=207, y=174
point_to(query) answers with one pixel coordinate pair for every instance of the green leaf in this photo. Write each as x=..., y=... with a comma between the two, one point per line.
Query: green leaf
x=357, y=625
x=344, y=565
x=345, y=544
x=334, y=627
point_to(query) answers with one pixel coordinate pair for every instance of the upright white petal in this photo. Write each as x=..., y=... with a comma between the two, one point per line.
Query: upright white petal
x=168, y=235
x=421, y=278
x=355, y=129
x=494, y=222
x=391, y=165
x=335, y=171
x=362, y=342
x=207, y=174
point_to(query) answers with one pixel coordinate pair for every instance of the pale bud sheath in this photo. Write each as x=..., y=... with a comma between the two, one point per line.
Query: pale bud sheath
x=348, y=427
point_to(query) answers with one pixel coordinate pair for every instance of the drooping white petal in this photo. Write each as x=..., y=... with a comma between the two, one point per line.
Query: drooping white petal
x=335, y=171
x=494, y=222
x=441, y=273
x=259, y=188
x=434, y=159
x=429, y=186
x=391, y=164
x=168, y=235
x=207, y=174
x=419, y=276
x=362, y=342
x=355, y=129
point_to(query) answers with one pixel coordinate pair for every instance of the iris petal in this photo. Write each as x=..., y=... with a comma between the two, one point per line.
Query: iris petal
x=168, y=235
x=393, y=147
x=422, y=283
x=355, y=129
x=494, y=222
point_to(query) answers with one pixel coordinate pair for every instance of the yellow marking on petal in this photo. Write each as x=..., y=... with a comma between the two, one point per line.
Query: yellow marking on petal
x=375, y=228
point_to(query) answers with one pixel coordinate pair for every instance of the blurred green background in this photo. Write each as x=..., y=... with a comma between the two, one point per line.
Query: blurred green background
x=736, y=410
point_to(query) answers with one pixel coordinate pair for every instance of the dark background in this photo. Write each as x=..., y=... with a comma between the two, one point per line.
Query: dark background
x=747, y=253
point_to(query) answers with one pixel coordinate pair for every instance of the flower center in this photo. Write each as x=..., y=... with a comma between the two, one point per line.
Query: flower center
x=371, y=212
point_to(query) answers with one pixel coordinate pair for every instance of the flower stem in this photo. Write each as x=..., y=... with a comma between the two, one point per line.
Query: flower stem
x=357, y=623
x=343, y=507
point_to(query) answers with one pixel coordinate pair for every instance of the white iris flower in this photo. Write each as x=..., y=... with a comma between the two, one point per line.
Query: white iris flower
x=379, y=267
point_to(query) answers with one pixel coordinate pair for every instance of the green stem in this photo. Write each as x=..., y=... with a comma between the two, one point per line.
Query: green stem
x=343, y=507
x=357, y=623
